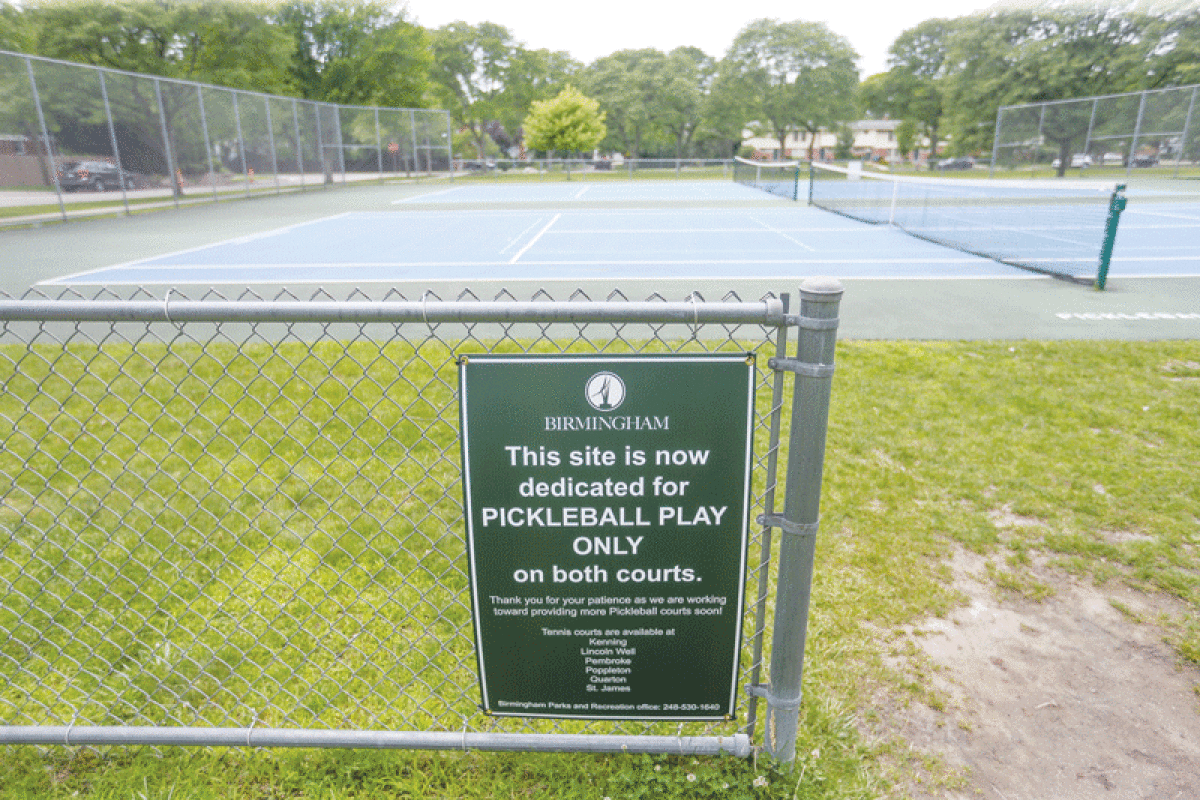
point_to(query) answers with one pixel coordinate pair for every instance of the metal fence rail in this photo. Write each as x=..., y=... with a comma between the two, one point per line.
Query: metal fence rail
x=239, y=522
x=82, y=131
x=1155, y=129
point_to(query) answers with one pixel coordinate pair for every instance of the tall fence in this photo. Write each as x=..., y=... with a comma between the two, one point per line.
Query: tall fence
x=1154, y=130
x=79, y=131
x=240, y=522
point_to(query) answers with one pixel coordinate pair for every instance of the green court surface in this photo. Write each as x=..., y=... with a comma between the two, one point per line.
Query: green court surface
x=895, y=289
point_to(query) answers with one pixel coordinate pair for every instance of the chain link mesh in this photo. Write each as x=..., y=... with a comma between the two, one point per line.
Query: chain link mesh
x=234, y=524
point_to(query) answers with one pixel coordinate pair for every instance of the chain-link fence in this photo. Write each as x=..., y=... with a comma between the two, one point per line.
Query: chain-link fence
x=81, y=135
x=240, y=521
x=619, y=168
x=1155, y=132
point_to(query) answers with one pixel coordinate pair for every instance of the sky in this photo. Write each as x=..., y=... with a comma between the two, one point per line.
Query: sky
x=590, y=30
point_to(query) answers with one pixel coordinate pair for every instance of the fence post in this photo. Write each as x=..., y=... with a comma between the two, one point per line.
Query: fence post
x=47, y=151
x=172, y=177
x=208, y=149
x=237, y=118
x=813, y=368
x=112, y=138
x=271, y=142
x=299, y=142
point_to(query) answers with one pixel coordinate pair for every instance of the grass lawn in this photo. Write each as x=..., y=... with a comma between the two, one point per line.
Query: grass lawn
x=928, y=443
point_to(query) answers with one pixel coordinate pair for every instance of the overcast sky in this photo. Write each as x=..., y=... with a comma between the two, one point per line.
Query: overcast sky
x=590, y=30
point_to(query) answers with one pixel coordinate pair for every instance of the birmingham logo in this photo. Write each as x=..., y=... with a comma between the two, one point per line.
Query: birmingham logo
x=605, y=391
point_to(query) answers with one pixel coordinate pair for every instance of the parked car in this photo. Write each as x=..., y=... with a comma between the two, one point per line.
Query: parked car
x=96, y=176
x=963, y=162
x=1144, y=161
x=1077, y=160
x=486, y=165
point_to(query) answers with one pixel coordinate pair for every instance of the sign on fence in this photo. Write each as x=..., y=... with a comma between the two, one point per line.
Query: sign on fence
x=607, y=507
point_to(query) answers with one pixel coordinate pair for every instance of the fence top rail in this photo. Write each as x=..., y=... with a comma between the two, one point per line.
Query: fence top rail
x=769, y=312
x=186, y=82
x=1139, y=92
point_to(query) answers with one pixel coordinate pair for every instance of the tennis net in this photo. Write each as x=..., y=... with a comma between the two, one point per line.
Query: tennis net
x=777, y=177
x=1055, y=227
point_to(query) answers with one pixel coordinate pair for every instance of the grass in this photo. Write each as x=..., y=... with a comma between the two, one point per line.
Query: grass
x=931, y=447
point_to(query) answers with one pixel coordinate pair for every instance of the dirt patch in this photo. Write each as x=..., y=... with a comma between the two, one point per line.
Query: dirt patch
x=1065, y=698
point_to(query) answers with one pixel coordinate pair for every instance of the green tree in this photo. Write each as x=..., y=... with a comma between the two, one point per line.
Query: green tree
x=906, y=137
x=569, y=122
x=685, y=73
x=472, y=63
x=356, y=53
x=13, y=29
x=630, y=87
x=919, y=67
x=214, y=41
x=1048, y=53
x=1176, y=60
x=798, y=76
x=725, y=110
x=534, y=74
x=489, y=80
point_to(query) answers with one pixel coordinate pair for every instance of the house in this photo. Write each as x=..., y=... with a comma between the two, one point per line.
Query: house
x=874, y=140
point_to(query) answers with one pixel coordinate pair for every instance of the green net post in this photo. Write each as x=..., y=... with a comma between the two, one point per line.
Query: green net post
x=1116, y=205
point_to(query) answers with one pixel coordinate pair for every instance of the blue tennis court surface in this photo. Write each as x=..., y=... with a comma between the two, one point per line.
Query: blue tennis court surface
x=498, y=232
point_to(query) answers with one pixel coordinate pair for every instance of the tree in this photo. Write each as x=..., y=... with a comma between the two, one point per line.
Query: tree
x=489, y=80
x=213, y=41
x=356, y=53
x=799, y=76
x=1048, y=53
x=906, y=137
x=534, y=74
x=630, y=86
x=571, y=121
x=725, y=110
x=684, y=74
x=472, y=64
x=14, y=33
x=913, y=87
x=1176, y=59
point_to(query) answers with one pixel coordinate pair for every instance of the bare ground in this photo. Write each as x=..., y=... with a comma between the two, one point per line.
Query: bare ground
x=1054, y=700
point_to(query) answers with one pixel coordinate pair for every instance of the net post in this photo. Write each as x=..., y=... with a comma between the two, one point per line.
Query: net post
x=813, y=368
x=1116, y=204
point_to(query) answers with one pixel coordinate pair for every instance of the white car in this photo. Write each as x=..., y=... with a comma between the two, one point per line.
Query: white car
x=1077, y=160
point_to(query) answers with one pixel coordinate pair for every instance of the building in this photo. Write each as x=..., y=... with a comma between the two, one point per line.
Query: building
x=874, y=140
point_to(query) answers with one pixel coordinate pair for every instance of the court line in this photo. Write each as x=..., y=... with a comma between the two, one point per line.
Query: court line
x=534, y=240
x=520, y=235
x=421, y=197
x=781, y=233
x=145, y=262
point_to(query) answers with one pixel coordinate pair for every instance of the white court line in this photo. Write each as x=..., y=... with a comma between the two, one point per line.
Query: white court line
x=784, y=235
x=143, y=262
x=421, y=197
x=521, y=235
x=534, y=240
x=581, y=192
x=1161, y=214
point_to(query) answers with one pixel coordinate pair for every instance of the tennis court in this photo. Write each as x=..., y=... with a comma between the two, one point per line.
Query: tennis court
x=626, y=231
x=637, y=237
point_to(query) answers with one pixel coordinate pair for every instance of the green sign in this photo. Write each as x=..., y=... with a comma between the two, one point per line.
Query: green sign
x=607, y=508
